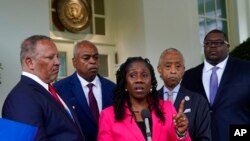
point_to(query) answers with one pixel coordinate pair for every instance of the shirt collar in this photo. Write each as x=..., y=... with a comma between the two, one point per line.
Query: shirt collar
x=85, y=83
x=221, y=65
x=36, y=78
x=175, y=90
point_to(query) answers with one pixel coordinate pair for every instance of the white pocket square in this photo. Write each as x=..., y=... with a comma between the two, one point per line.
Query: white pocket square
x=187, y=110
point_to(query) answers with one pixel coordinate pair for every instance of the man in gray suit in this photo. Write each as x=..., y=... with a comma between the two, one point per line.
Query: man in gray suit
x=171, y=69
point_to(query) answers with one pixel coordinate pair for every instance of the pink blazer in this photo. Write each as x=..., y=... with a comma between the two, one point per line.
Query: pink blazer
x=127, y=129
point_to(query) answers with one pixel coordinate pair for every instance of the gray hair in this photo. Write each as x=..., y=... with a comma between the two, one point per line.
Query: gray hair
x=29, y=45
x=80, y=43
x=171, y=50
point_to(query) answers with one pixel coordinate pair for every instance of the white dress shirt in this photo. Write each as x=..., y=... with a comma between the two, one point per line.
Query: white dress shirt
x=174, y=91
x=97, y=90
x=207, y=71
x=46, y=86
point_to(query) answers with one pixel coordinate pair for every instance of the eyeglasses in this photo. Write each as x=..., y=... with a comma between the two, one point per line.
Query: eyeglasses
x=215, y=43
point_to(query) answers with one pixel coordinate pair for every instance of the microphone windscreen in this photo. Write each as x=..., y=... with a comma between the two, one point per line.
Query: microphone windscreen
x=145, y=113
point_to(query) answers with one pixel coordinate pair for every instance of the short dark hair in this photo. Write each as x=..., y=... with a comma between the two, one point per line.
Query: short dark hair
x=217, y=31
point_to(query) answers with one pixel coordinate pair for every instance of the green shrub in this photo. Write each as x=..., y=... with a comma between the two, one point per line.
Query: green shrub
x=242, y=51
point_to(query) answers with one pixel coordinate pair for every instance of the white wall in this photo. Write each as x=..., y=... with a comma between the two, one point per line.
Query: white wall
x=243, y=19
x=146, y=28
x=130, y=29
x=18, y=19
x=172, y=23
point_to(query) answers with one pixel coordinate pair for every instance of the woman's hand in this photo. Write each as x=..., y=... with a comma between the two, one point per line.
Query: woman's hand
x=180, y=119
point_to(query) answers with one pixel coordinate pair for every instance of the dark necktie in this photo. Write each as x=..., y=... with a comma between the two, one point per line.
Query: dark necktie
x=213, y=87
x=93, y=103
x=54, y=94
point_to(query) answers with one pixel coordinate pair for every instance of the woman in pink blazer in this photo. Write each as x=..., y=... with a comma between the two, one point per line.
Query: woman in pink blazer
x=136, y=91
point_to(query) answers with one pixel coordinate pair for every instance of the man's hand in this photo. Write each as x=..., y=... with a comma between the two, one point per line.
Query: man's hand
x=180, y=120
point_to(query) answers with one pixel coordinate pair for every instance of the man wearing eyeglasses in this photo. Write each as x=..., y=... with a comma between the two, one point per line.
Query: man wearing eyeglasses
x=225, y=82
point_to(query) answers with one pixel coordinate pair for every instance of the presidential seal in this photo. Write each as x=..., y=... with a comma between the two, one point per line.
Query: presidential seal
x=75, y=15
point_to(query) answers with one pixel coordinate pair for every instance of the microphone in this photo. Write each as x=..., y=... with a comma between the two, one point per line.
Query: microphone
x=145, y=113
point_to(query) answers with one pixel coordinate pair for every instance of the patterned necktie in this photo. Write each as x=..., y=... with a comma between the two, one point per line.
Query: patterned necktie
x=93, y=103
x=170, y=96
x=54, y=94
x=213, y=87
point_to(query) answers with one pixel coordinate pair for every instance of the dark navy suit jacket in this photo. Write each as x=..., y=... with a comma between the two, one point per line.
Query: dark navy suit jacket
x=71, y=88
x=197, y=112
x=30, y=103
x=231, y=104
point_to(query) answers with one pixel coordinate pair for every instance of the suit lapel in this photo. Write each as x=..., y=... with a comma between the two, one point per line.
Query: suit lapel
x=80, y=96
x=41, y=90
x=183, y=94
x=72, y=112
x=180, y=96
x=161, y=93
x=75, y=119
x=200, y=83
x=106, y=100
x=224, y=79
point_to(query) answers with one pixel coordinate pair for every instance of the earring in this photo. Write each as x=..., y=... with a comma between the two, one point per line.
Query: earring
x=151, y=90
x=126, y=90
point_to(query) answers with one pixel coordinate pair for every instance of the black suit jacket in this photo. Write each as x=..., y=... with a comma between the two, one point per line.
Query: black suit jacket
x=71, y=88
x=30, y=103
x=231, y=104
x=197, y=112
